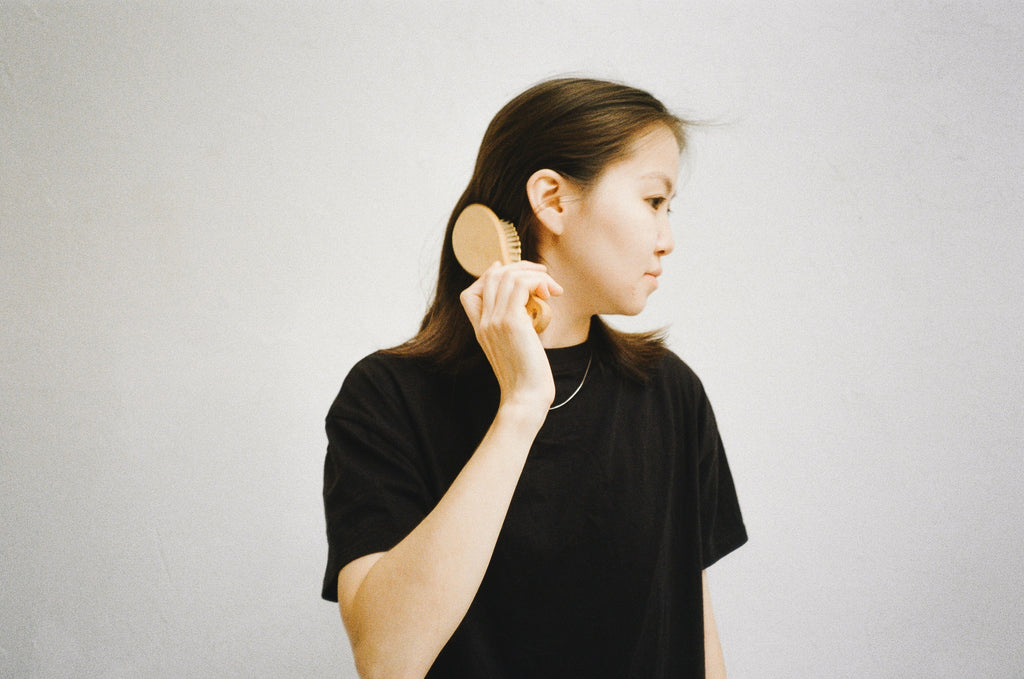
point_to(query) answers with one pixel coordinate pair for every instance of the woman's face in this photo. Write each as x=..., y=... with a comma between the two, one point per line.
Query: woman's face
x=608, y=256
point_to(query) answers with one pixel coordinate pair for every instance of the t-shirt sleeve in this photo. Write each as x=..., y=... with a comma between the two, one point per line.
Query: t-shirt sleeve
x=721, y=523
x=373, y=493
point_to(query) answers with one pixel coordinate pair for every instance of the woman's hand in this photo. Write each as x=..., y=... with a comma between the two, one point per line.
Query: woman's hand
x=496, y=306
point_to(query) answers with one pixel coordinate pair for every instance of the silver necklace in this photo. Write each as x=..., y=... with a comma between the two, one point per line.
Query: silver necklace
x=573, y=395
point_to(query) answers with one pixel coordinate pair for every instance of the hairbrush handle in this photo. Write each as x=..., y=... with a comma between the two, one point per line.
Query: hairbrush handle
x=540, y=312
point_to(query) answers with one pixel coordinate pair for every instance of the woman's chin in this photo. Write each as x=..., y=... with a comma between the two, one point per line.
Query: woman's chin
x=631, y=308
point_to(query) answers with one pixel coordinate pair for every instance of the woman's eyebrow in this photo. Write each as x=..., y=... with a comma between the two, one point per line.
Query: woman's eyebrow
x=663, y=177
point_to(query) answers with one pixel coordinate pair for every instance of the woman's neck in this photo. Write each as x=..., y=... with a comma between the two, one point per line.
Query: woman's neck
x=565, y=329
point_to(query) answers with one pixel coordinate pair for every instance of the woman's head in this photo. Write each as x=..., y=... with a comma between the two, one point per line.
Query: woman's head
x=574, y=127
x=605, y=245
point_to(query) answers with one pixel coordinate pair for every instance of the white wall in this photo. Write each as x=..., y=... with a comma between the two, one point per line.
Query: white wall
x=208, y=214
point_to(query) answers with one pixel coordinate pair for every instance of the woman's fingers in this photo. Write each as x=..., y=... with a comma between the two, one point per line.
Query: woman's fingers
x=501, y=292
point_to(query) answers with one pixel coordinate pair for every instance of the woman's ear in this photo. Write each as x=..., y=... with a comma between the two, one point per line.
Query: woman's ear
x=548, y=192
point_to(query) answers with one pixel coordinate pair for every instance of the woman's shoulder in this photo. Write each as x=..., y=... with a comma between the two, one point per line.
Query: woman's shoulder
x=674, y=373
x=384, y=370
x=396, y=376
x=408, y=391
x=669, y=365
x=376, y=378
x=380, y=363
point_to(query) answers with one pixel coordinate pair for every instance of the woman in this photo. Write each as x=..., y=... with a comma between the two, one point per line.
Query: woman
x=503, y=503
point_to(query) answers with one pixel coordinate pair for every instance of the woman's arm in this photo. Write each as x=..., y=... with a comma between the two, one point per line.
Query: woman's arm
x=400, y=607
x=714, y=661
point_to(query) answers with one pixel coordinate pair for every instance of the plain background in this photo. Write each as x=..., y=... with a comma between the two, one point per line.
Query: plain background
x=207, y=214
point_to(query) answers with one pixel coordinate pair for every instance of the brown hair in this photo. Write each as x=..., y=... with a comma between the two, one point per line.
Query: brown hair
x=575, y=127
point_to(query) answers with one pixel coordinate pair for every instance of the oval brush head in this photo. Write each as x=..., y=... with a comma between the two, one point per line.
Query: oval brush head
x=480, y=239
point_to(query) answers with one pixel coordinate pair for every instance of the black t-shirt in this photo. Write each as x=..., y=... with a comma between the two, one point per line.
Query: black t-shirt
x=625, y=497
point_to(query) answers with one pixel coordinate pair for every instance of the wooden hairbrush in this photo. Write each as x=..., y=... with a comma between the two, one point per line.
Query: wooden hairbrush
x=480, y=239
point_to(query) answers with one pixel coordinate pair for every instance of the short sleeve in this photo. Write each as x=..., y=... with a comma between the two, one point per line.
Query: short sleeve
x=721, y=523
x=373, y=493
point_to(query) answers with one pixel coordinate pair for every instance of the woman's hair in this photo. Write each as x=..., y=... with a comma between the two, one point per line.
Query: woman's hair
x=575, y=127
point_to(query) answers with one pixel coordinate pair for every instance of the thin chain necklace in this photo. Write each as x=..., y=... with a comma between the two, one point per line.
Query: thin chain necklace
x=573, y=395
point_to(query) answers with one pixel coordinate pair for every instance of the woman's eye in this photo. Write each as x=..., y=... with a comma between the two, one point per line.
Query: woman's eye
x=657, y=202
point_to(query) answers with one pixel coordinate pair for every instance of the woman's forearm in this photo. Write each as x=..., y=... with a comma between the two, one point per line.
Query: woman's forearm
x=714, y=660
x=414, y=596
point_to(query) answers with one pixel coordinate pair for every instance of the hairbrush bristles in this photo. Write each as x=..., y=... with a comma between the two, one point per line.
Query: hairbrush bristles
x=515, y=248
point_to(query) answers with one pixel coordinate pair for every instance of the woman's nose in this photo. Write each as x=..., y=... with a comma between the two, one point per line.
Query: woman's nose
x=665, y=243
